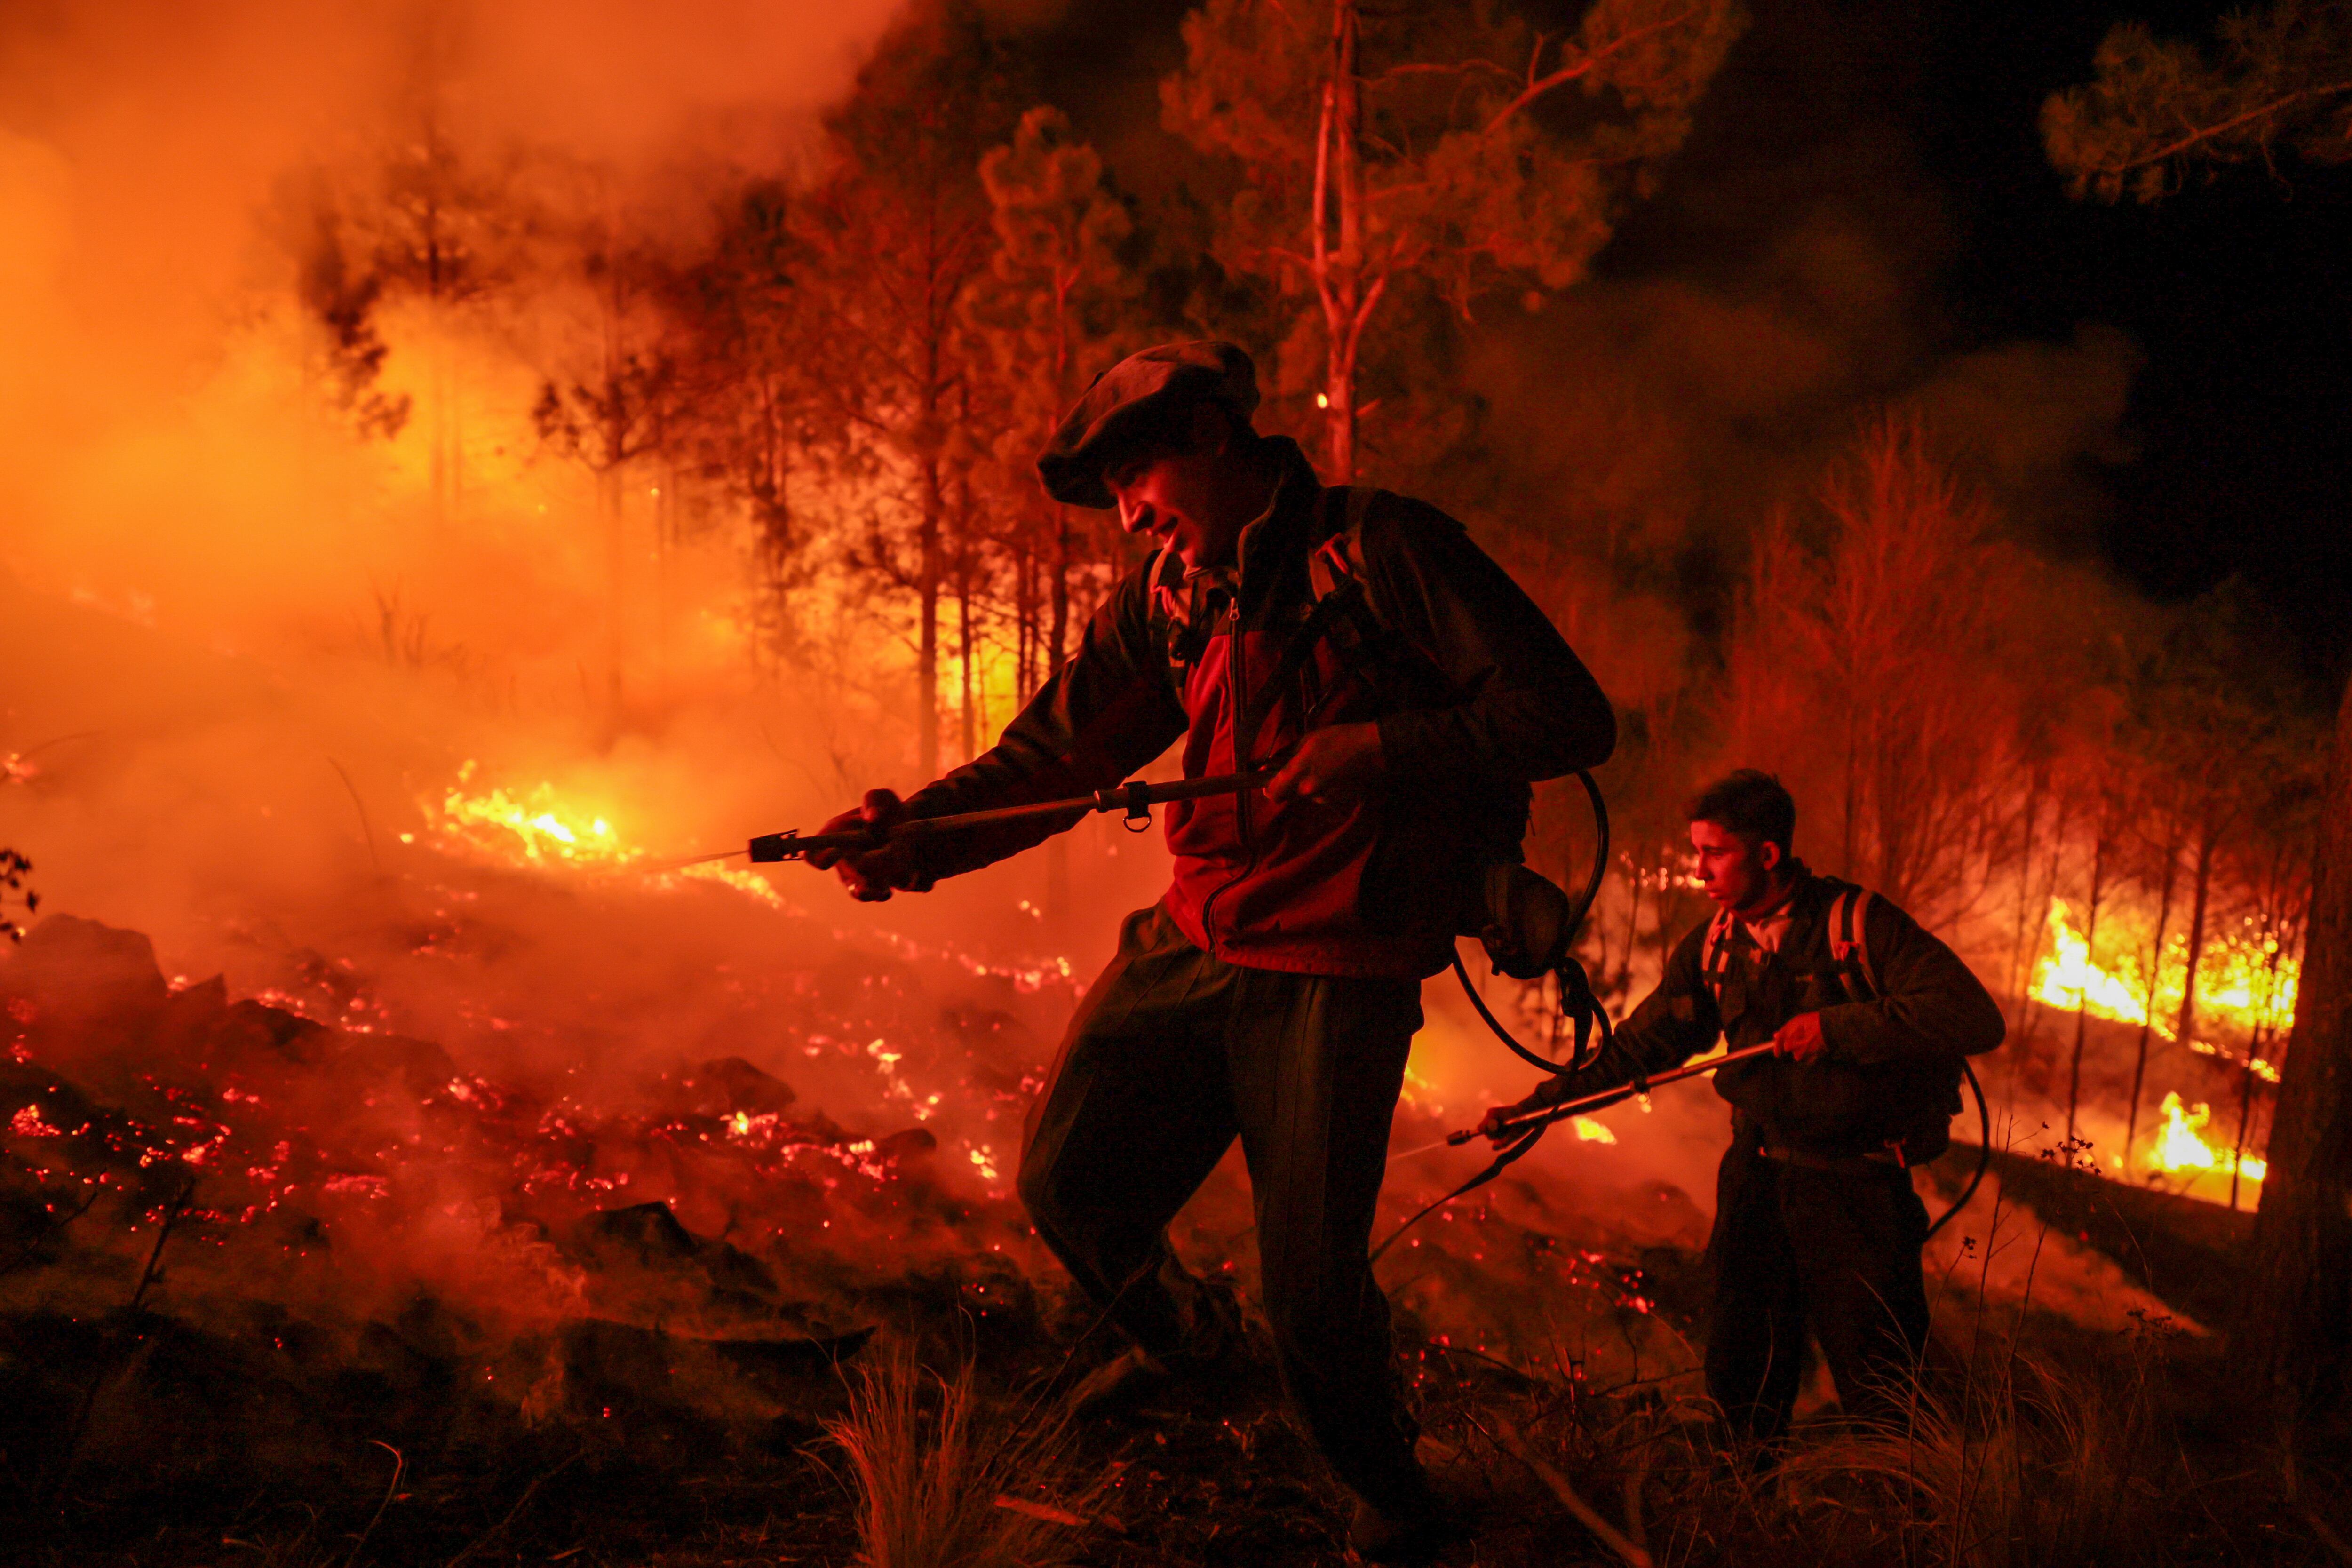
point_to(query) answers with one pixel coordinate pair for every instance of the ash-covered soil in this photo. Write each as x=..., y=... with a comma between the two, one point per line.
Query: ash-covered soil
x=281, y=1291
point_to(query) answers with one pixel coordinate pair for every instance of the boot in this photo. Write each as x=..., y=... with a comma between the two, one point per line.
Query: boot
x=1214, y=1364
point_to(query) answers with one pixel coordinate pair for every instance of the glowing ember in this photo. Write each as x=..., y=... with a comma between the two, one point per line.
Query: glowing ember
x=2179, y=1150
x=28, y=1123
x=1590, y=1132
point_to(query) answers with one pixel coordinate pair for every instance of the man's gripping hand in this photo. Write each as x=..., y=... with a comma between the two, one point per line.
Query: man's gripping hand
x=1598, y=1077
x=1330, y=764
x=1491, y=1128
x=873, y=875
x=1801, y=1040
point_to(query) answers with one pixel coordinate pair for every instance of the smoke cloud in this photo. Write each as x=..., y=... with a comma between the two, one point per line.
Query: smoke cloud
x=251, y=653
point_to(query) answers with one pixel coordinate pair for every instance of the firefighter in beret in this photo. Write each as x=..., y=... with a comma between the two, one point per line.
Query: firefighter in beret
x=1406, y=694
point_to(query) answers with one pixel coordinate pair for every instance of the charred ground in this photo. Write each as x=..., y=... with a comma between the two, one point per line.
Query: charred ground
x=197, y=1371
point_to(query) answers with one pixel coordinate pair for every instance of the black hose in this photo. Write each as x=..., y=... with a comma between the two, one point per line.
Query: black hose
x=1576, y=998
x=1984, y=1153
x=1576, y=994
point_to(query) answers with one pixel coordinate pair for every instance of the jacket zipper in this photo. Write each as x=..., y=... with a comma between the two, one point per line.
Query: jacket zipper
x=1236, y=689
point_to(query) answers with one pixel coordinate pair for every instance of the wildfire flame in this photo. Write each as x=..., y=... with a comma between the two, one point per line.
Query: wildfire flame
x=2244, y=981
x=540, y=829
x=2178, y=1149
x=535, y=828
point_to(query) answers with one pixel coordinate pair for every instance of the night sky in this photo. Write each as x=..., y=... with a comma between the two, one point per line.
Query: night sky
x=2237, y=292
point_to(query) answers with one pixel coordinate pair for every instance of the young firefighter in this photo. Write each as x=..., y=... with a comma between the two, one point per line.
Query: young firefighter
x=1816, y=1223
x=1411, y=693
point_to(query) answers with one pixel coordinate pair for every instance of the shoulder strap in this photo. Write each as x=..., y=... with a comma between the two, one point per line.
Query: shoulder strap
x=1171, y=610
x=1339, y=603
x=1340, y=558
x=1714, y=954
x=1849, y=923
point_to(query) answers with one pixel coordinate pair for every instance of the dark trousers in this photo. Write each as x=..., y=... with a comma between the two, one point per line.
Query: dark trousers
x=1832, y=1250
x=1172, y=1055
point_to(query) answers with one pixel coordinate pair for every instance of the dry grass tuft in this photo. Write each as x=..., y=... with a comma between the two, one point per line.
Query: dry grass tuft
x=2027, y=1463
x=947, y=1479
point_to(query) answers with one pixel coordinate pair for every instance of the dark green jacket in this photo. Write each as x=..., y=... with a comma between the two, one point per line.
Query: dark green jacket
x=1892, y=1072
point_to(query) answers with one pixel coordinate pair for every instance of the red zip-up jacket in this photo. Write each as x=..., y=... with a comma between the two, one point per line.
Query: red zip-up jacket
x=1482, y=699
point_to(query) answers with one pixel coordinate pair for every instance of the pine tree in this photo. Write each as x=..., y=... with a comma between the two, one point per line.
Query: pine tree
x=1404, y=160
x=902, y=232
x=1057, y=308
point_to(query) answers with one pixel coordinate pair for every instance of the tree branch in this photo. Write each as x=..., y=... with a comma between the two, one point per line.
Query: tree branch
x=1536, y=87
x=2222, y=128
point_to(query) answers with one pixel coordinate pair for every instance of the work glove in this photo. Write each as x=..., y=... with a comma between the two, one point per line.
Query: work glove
x=1612, y=1071
x=873, y=875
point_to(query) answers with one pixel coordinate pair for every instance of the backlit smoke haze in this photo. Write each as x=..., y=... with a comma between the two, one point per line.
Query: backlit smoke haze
x=251, y=654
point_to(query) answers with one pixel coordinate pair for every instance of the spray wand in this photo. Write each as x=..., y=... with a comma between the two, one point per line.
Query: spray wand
x=1135, y=797
x=1528, y=1121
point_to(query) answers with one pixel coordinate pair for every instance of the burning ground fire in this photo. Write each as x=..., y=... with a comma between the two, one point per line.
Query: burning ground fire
x=312, y=1147
x=2244, y=983
x=540, y=829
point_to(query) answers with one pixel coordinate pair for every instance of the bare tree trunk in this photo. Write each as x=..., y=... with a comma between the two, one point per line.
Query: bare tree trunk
x=2277, y=922
x=2208, y=838
x=1339, y=270
x=2245, y=1113
x=2018, y=975
x=2295, y=1327
x=611, y=502
x=927, y=654
x=1025, y=621
x=2049, y=891
x=664, y=500
x=2091, y=956
x=2155, y=978
x=1852, y=849
x=1057, y=643
x=968, y=713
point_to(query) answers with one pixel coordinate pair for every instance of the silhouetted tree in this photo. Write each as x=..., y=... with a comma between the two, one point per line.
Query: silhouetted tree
x=751, y=365
x=1387, y=152
x=1868, y=663
x=1057, y=307
x=617, y=405
x=2159, y=109
x=441, y=231
x=901, y=230
x=338, y=291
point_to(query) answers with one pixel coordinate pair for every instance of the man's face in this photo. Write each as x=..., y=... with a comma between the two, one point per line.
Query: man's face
x=1735, y=874
x=1195, y=499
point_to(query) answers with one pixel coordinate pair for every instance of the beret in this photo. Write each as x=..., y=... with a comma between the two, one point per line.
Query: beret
x=1135, y=400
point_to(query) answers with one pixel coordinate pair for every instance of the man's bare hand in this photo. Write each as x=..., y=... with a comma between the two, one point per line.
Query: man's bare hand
x=1801, y=1039
x=1331, y=764
x=870, y=875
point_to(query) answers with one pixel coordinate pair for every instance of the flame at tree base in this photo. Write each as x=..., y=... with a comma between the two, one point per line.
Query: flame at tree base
x=2179, y=1152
